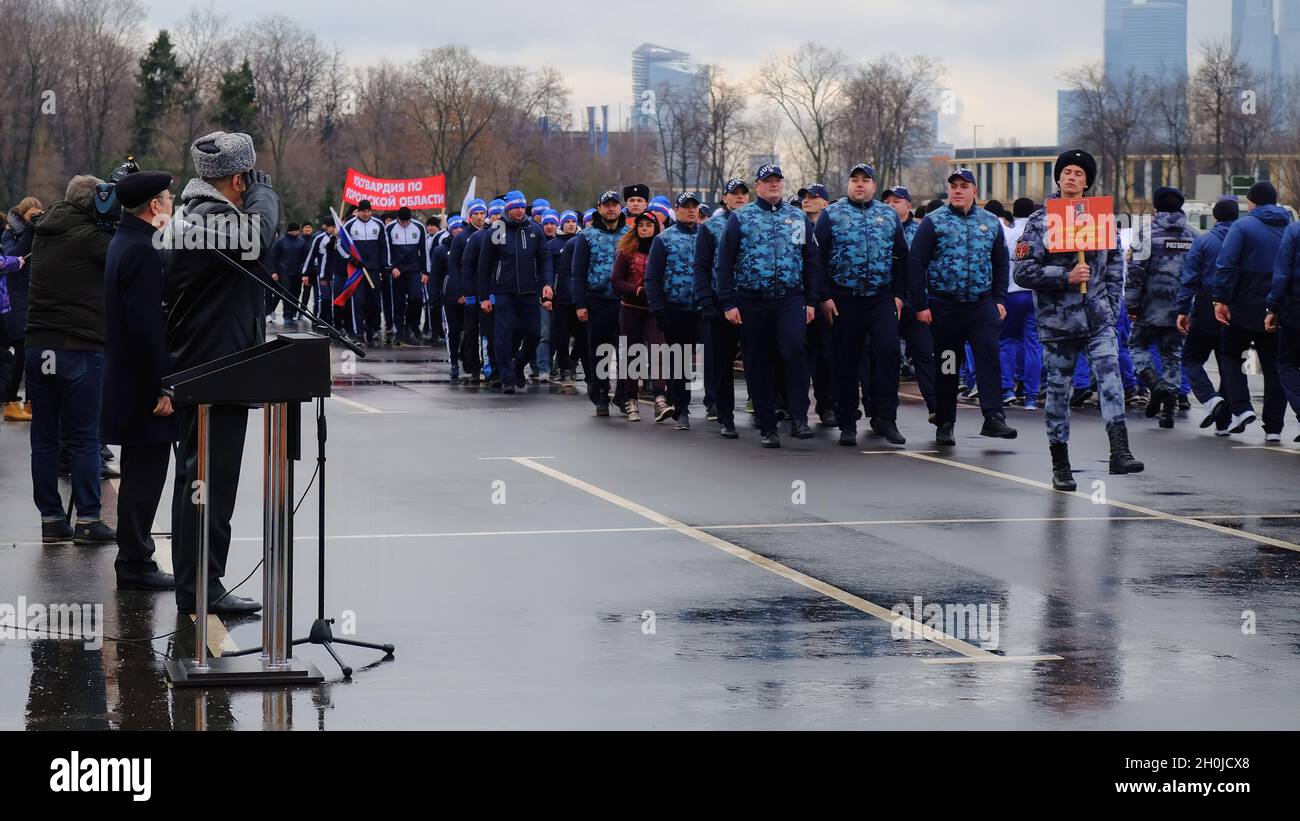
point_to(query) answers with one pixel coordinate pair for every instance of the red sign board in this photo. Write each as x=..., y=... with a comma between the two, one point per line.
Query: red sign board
x=418, y=194
x=1081, y=224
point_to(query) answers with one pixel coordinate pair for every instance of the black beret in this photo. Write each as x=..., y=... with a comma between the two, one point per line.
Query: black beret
x=136, y=189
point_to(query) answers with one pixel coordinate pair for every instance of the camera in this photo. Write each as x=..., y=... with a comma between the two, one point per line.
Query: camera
x=108, y=212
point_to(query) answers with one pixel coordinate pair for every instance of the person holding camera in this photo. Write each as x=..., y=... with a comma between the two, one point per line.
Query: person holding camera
x=212, y=312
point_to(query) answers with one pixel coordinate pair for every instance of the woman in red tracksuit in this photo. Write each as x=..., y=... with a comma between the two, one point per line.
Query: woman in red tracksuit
x=638, y=325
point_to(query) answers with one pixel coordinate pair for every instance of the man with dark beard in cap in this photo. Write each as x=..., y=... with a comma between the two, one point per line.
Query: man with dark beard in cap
x=212, y=312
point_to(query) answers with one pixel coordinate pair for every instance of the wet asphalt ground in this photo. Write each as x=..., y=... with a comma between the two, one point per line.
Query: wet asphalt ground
x=537, y=567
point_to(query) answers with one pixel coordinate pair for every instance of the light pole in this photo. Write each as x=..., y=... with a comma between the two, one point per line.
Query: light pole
x=974, y=148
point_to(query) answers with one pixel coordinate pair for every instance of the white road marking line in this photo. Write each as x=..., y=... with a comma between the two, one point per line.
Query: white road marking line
x=164, y=557
x=354, y=404
x=1272, y=448
x=996, y=657
x=510, y=458
x=1188, y=520
x=868, y=452
x=817, y=585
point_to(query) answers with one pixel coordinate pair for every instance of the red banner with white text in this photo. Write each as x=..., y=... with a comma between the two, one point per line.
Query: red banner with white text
x=418, y=194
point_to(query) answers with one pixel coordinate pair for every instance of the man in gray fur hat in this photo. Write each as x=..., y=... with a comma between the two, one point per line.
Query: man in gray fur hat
x=213, y=311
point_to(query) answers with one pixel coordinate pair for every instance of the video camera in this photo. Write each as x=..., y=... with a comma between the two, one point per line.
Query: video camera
x=108, y=212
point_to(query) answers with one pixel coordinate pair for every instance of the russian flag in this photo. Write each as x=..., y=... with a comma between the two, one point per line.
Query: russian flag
x=348, y=249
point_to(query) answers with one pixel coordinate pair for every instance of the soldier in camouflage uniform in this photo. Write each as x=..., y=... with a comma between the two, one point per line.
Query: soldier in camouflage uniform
x=864, y=256
x=915, y=335
x=767, y=273
x=670, y=292
x=721, y=338
x=1155, y=269
x=1071, y=322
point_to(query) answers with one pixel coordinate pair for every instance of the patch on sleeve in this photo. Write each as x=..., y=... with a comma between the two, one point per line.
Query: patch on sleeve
x=1022, y=249
x=1178, y=245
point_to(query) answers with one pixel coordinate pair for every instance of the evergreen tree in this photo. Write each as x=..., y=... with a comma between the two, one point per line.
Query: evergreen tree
x=237, y=108
x=159, y=82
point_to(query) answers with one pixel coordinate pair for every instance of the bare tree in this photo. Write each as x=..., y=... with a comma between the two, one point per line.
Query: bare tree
x=1113, y=119
x=1171, y=125
x=288, y=65
x=27, y=35
x=455, y=98
x=886, y=115
x=807, y=88
x=1215, y=94
x=726, y=133
x=99, y=43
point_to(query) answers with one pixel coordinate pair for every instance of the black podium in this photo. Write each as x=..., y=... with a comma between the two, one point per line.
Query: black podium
x=280, y=375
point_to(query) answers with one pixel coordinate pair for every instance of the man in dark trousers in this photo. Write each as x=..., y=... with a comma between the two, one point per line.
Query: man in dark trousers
x=214, y=311
x=137, y=415
x=286, y=261
x=958, y=272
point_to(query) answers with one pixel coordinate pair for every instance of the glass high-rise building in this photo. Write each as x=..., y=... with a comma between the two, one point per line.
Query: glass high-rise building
x=652, y=67
x=1254, y=41
x=1146, y=39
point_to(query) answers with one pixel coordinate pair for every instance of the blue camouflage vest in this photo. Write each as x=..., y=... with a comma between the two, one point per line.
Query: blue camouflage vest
x=909, y=230
x=962, y=267
x=771, y=248
x=679, y=268
x=600, y=267
x=862, y=245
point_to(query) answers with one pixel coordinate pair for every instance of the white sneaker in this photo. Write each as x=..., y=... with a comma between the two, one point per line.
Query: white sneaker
x=1273, y=438
x=1208, y=418
x=545, y=377
x=633, y=412
x=1240, y=421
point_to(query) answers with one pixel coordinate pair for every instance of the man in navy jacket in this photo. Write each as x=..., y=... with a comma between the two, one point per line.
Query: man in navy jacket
x=514, y=265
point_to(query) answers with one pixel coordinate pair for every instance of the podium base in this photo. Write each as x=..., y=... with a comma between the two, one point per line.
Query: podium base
x=242, y=671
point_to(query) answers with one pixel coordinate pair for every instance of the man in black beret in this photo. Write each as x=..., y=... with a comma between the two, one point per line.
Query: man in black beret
x=137, y=414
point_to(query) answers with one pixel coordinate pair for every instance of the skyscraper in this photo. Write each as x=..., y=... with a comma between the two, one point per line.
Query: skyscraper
x=1288, y=38
x=652, y=67
x=1253, y=39
x=1146, y=39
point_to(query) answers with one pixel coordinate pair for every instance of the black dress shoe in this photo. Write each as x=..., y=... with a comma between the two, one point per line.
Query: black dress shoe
x=848, y=438
x=728, y=430
x=888, y=429
x=95, y=532
x=221, y=602
x=943, y=435
x=770, y=439
x=56, y=532
x=827, y=419
x=151, y=580
x=997, y=427
x=801, y=430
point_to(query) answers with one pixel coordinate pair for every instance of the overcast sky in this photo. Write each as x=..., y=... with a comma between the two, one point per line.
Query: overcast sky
x=1004, y=58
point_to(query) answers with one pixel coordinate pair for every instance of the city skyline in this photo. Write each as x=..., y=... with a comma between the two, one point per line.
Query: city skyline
x=594, y=53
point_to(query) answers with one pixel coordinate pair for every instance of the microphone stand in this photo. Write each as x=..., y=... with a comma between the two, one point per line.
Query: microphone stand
x=320, y=632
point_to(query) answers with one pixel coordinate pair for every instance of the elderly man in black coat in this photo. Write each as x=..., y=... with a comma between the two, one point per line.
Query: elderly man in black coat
x=213, y=311
x=137, y=415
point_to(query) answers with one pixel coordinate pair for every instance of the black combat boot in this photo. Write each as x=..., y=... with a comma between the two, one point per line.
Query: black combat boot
x=1121, y=459
x=1168, y=408
x=1062, y=478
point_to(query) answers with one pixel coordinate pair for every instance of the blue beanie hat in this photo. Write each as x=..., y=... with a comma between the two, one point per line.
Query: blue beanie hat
x=569, y=214
x=588, y=215
x=496, y=208
x=476, y=204
x=455, y=222
x=549, y=217
x=516, y=199
x=540, y=205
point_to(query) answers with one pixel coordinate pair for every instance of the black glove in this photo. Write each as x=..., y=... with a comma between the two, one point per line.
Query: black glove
x=256, y=177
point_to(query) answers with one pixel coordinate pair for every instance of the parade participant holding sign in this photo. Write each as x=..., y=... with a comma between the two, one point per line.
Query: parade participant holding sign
x=1074, y=319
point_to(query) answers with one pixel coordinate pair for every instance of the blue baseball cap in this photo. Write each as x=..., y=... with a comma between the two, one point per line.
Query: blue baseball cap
x=734, y=184
x=816, y=190
x=863, y=168
x=766, y=170
x=963, y=174
x=476, y=204
x=705, y=211
x=516, y=199
x=900, y=192
x=569, y=214
x=608, y=196
x=685, y=197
